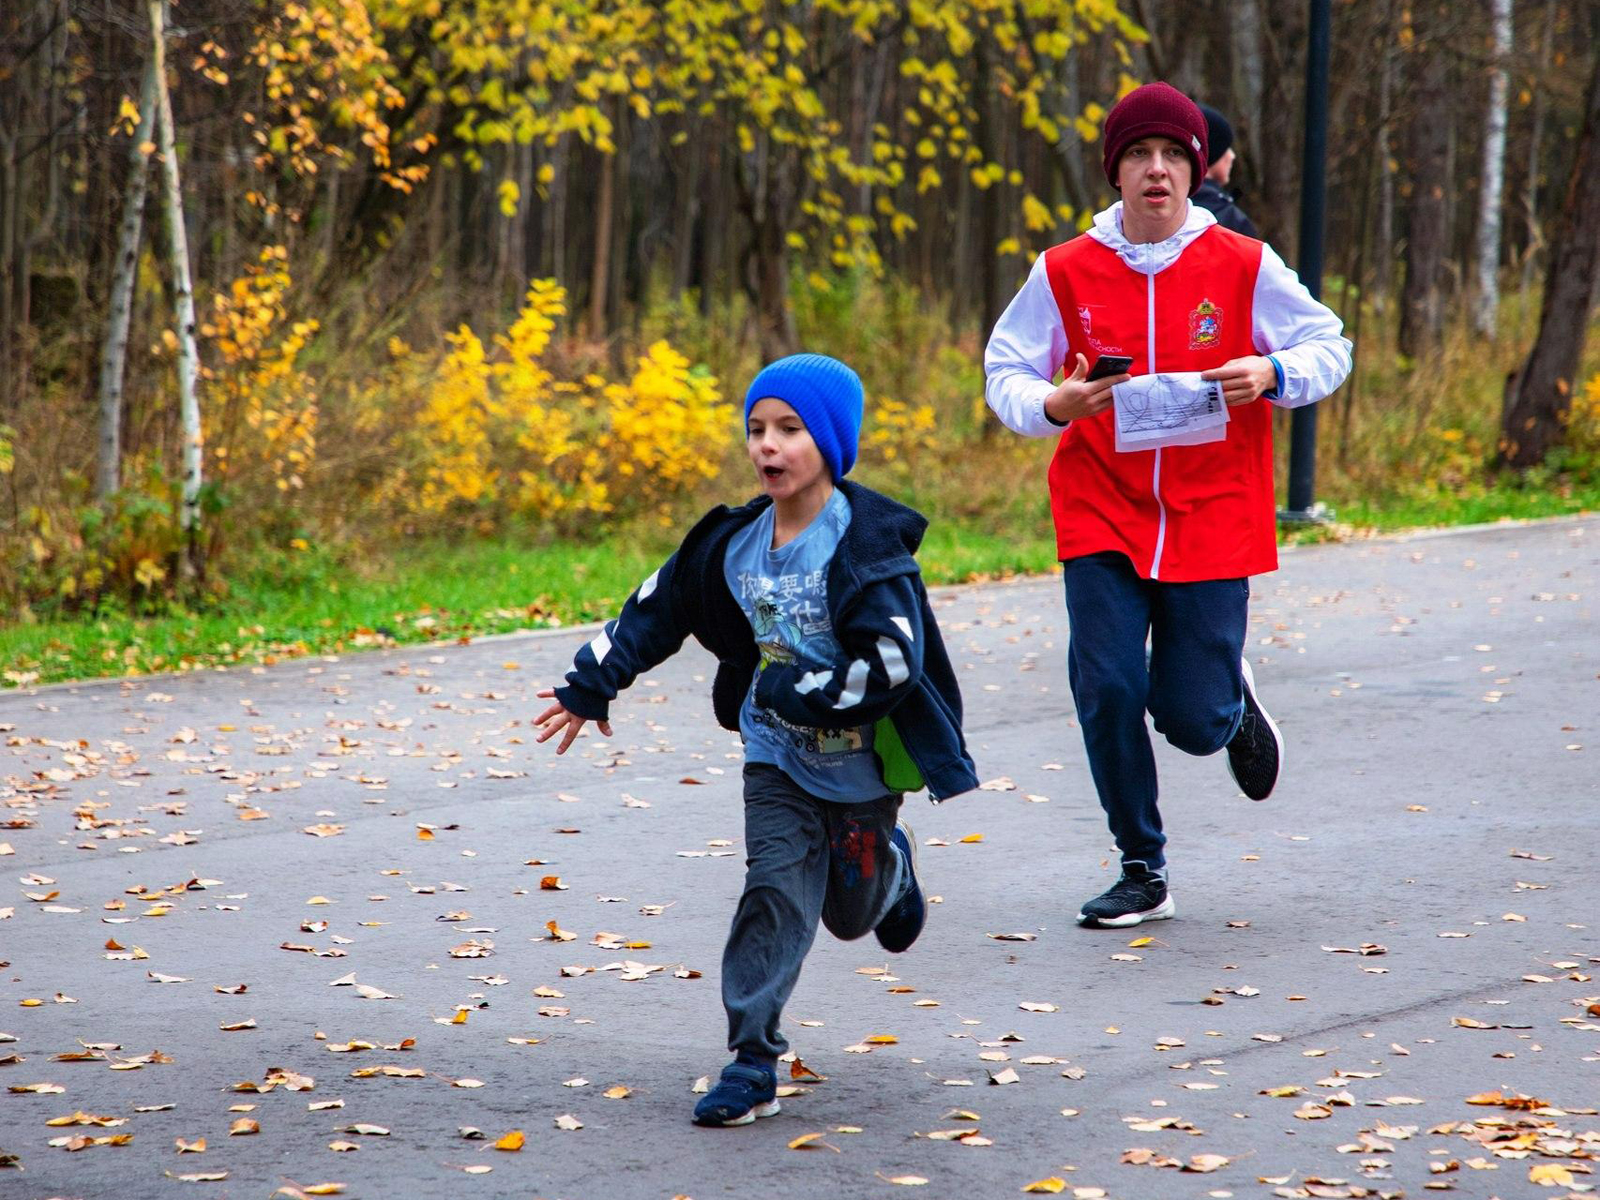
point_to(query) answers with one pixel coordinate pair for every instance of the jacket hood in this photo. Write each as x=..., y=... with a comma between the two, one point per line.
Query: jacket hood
x=888, y=529
x=1148, y=257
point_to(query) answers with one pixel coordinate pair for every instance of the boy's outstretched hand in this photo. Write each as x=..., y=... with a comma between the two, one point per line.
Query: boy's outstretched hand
x=557, y=719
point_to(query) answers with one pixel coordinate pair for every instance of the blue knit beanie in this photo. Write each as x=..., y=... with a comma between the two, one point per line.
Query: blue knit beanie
x=827, y=396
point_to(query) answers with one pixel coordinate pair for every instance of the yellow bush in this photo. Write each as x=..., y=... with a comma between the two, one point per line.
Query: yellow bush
x=259, y=410
x=496, y=433
x=668, y=423
x=898, y=433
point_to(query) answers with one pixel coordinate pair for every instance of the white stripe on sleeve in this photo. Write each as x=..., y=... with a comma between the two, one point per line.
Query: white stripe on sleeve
x=811, y=681
x=894, y=662
x=855, y=685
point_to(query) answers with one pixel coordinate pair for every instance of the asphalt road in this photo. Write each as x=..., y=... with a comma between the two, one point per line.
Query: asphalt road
x=1440, y=698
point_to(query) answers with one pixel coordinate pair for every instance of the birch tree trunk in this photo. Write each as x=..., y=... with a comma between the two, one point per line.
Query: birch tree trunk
x=1493, y=176
x=114, y=350
x=183, y=299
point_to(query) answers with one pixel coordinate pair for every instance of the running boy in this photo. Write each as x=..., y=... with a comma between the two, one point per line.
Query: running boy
x=831, y=668
x=1160, y=542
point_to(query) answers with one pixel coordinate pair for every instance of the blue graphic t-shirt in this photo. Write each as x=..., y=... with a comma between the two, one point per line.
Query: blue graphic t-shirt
x=784, y=594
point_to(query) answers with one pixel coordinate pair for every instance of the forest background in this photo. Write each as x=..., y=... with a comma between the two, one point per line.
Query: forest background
x=329, y=323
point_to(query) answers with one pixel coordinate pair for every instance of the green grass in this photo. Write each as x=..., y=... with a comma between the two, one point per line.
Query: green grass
x=295, y=604
x=1502, y=500
x=308, y=603
x=1497, y=504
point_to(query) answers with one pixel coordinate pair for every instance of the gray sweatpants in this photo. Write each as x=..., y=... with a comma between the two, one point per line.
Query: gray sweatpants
x=808, y=859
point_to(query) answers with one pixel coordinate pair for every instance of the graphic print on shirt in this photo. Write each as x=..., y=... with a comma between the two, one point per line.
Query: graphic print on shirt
x=783, y=593
x=784, y=613
x=775, y=630
x=791, y=625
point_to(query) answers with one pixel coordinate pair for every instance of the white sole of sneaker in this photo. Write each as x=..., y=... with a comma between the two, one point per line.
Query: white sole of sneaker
x=1164, y=911
x=1250, y=682
x=769, y=1109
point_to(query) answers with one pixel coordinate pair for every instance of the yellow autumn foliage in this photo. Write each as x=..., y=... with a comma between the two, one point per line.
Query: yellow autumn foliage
x=899, y=432
x=259, y=409
x=497, y=433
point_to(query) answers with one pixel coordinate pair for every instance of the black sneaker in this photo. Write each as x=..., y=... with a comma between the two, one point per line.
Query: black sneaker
x=1140, y=895
x=902, y=924
x=1255, y=755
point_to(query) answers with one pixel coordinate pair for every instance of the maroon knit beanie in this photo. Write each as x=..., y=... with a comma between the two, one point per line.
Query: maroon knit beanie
x=1156, y=110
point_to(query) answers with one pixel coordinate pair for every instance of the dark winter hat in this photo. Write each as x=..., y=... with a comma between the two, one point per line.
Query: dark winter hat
x=1156, y=110
x=1219, y=134
x=825, y=393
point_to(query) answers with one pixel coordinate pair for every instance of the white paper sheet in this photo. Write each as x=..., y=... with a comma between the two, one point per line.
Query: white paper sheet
x=1171, y=409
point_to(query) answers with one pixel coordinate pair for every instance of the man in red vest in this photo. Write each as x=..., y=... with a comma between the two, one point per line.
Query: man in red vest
x=1162, y=489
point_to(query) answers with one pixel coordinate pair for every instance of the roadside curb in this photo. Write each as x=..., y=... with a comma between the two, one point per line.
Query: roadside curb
x=1417, y=535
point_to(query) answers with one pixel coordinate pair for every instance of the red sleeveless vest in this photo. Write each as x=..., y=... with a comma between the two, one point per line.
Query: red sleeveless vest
x=1180, y=513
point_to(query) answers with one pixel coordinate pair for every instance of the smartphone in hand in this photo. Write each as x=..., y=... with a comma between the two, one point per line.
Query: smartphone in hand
x=1109, y=364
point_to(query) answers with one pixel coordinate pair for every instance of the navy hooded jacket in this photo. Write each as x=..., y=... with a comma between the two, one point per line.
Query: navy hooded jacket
x=892, y=672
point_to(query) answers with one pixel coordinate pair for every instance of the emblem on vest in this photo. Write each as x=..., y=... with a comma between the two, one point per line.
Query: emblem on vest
x=1205, y=326
x=1086, y=318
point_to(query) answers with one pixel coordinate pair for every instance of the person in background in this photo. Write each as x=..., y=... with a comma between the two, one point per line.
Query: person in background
x=1214, y=195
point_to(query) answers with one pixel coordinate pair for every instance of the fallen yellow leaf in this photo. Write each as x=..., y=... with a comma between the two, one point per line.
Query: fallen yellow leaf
x=511, y=1141
x=1548, y=1174
x=812, y=1141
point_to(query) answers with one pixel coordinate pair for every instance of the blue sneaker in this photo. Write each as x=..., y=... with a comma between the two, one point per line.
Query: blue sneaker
x=902, y=924
x=745, y=1092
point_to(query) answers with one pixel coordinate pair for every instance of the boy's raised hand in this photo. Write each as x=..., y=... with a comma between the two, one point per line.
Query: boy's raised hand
x=557, y=719
x=1078, y=396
